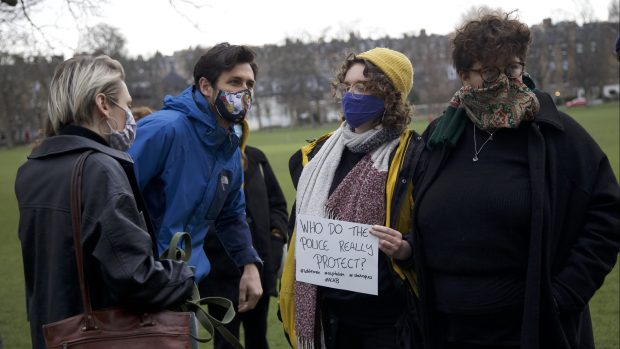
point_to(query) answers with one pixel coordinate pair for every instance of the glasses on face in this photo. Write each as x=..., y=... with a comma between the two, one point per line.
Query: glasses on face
x=513, y=71
x=358, y=88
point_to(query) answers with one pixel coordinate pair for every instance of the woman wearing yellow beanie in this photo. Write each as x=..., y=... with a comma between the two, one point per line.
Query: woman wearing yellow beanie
x=360, y=173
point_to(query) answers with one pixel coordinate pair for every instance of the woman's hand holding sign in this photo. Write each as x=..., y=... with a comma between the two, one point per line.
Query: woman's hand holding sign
x=391, y=242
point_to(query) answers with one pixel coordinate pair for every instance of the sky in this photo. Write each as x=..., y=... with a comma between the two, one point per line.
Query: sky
x=156, y=25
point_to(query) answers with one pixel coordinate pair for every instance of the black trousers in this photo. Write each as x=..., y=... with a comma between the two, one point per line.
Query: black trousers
x=254, y=325
x=340, y=334
x=353, y=337
x=475, y=346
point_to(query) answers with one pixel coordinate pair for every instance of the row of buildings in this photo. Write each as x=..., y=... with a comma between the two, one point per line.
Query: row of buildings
x=565, y=59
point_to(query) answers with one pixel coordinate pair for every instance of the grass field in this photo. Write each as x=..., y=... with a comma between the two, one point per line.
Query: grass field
x=601, y=121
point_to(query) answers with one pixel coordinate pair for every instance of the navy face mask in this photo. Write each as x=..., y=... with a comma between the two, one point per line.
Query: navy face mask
x=359, y=109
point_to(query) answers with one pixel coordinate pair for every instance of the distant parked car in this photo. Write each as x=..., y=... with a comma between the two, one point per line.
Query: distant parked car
x=577, y=102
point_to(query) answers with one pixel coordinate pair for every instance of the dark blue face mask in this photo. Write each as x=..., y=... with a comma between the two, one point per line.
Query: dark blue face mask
x=359, y=109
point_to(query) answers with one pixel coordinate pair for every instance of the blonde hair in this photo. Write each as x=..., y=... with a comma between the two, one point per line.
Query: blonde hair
x=76, y=83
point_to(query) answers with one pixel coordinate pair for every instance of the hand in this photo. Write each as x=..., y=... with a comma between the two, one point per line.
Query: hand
x=391, y=242
x=250, y=289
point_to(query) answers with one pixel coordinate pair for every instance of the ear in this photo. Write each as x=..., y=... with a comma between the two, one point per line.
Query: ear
x=102, y=106
x=205, y=87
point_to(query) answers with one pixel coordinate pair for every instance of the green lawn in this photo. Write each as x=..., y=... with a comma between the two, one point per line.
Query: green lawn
x=601, y=121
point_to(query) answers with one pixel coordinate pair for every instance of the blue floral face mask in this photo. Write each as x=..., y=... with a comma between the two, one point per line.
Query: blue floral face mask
x=233, y=106
x=359, y=109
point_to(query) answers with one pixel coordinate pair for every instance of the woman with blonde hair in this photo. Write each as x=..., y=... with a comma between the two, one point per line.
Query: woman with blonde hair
x=89, y=110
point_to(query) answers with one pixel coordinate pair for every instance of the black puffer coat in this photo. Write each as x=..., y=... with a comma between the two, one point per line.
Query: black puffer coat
x=118, y=252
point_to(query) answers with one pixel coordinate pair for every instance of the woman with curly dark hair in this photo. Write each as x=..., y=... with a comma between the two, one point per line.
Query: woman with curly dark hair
x=359, y=173
x=517, y=216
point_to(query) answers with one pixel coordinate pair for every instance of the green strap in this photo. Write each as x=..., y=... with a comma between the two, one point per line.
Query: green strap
x=210, y=323
x=174, y=252
x=195, y=304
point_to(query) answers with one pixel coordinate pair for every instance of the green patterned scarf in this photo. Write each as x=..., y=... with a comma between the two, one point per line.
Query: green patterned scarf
x=502, y=105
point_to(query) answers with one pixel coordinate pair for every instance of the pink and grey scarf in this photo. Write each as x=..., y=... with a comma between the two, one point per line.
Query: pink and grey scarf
x=360, y=197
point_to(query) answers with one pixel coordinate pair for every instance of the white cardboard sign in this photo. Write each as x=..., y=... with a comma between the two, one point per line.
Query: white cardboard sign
x=336, y=254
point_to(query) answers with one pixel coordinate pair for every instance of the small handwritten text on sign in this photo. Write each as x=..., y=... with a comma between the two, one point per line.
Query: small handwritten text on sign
x=336, y=254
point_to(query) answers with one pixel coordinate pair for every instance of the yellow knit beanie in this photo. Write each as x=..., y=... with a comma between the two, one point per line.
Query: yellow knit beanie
x=395, y=65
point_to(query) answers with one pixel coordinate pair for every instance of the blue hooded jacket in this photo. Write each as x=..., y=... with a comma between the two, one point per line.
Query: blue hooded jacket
x=189, y=170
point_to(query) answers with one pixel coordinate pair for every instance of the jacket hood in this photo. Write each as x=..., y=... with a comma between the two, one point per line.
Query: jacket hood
x=192, y=103
x=195, y=107
x=57, y=145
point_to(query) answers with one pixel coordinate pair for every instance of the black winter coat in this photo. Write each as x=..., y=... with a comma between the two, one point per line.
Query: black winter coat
x=575, y=231
x=118, y=252
x=267, y=217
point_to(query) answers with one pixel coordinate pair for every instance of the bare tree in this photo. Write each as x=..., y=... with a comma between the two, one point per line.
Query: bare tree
x=614, y=11
x=23, y=95
x=23, y=34
x=13, y=15
x=19, y=32
x=475, y=12
x=103, y=39
x=585, y=11
x=592, y=59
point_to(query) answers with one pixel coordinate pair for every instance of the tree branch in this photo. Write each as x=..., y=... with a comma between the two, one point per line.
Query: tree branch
x=191, y=21
x=191, y=3
x=36, y=27
x=9, y=2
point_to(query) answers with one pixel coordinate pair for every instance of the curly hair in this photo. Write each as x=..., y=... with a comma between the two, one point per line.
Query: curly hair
x=398, y=113
x=491, y=38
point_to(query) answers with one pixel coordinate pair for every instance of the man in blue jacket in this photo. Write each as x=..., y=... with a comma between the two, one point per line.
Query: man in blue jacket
x=188, y=164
